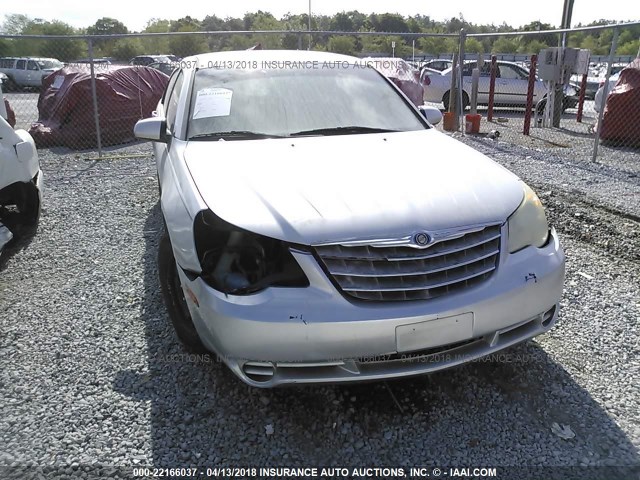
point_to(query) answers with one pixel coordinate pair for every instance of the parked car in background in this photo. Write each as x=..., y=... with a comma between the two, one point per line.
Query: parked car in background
x=146, y=60
x=511, y=86
x=165, y=67
x=27, y=72
x=439, y=64
x=20, y=180
x=403, y=75
x=96, y=61
x=299, y=252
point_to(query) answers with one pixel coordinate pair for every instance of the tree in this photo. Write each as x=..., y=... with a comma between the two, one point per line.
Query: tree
x=473, y=45
x=107, y=26
x=15, y=23
x=342, y=44
x=185, y=45
x=156, y=44
x=127, y=48
x=62, y=49
x=504, y=45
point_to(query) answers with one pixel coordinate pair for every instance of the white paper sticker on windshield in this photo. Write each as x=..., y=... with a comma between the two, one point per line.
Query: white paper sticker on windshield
x=58, y=81
x=212, y=102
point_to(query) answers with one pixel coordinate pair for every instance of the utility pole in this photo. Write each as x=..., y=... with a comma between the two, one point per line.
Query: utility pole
x=309, y=24
x=567, y=12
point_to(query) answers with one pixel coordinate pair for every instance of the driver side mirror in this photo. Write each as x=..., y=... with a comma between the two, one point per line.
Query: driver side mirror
x=432, y=114
x=154, y=129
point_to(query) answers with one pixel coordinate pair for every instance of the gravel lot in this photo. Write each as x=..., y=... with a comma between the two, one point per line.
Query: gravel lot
x=94, y=382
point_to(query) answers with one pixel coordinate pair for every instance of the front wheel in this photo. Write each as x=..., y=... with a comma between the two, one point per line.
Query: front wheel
x=174, y=298
x=465, y=100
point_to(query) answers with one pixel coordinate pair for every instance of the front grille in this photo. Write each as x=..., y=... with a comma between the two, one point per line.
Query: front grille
x=398, y=273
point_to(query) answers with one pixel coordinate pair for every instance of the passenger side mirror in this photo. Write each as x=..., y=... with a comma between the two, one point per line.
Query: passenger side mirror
x=154, y=129
x=432, y=114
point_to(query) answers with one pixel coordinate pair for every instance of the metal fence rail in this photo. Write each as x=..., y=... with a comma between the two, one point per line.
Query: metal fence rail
x=583, y=121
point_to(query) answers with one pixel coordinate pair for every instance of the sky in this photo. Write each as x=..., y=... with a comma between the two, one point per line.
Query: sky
x=135, y=14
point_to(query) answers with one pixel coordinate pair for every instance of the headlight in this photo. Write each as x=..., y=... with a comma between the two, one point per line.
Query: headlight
x=238, y=262
x=528, y=224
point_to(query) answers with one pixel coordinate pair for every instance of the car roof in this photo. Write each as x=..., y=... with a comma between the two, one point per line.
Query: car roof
x=205, y=60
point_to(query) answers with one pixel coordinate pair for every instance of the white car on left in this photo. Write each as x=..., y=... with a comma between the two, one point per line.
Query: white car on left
x=20, y=180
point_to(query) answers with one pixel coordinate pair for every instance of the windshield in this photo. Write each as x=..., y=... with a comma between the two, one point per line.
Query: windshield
x=49, y=64
x=282, y=102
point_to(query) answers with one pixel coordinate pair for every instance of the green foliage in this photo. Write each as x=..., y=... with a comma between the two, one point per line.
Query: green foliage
x=473, y=45
x=156, y=45
x=126, y=48
x=185, y=45
x=599, y=42
x=342, y=44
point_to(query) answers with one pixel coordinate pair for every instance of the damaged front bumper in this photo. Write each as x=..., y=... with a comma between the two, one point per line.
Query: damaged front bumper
x=315, y=334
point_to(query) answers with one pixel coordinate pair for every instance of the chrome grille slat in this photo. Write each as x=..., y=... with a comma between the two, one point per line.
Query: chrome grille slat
x=339, y=252
x=423, y=286
x=399, y=273
x=388, y=269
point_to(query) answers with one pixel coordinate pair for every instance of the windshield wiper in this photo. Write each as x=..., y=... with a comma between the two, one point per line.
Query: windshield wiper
x=342, y=131
x=234, y=134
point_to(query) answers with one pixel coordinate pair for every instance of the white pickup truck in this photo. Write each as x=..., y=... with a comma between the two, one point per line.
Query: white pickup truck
x=27, y=72
x=20, y=180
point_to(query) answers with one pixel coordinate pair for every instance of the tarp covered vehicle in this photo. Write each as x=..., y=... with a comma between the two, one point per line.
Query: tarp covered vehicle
x=618, y=126
x=402, y=74
x=65, y=105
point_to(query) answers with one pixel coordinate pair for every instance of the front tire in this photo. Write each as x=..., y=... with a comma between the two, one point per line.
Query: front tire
x=174, y=298
x=465, y=100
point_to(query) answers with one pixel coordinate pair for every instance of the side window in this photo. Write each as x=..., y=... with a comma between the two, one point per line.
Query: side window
x=172, y=102
x=31, y=65
x=169, y=89
x=509, y=73
x=21, y=64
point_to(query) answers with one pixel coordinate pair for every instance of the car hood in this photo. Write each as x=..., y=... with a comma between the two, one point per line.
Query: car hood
x=317, y=190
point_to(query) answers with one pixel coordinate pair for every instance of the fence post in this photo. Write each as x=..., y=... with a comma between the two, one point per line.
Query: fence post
x=299, y=41
x=583, y=88
x=530, y=87
x=460, y=102
x=492, y=86
x=94, y=96
x=605, y=92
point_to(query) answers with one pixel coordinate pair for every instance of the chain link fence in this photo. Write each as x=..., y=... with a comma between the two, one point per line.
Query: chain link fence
x=94, y=101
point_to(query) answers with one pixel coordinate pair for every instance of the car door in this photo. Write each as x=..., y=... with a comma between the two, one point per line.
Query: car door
x=511, y=87
x=33, y=76
x=483, y=81
x=168, y=109
x=20, y=73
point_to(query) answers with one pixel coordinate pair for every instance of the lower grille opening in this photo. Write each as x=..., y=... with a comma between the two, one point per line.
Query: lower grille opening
x=259, y=371
x=548, y=316
x=426, y=352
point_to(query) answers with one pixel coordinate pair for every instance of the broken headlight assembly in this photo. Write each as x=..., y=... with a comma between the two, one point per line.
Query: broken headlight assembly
x=238, y=262
x=528, y=224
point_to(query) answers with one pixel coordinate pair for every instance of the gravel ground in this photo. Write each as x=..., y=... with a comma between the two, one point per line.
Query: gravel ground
x=573, y=141
x=94, y=382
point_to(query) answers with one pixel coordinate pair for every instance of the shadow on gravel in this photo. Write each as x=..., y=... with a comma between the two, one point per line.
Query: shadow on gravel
x=20, y=242
x=491, y=413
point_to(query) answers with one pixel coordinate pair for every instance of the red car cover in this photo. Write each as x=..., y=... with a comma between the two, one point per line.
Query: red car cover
x=65, y=106
x=619, y=126
x=11, y=115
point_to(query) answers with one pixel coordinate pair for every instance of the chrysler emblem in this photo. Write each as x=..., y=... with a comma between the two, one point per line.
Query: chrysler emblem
x=421, y=239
